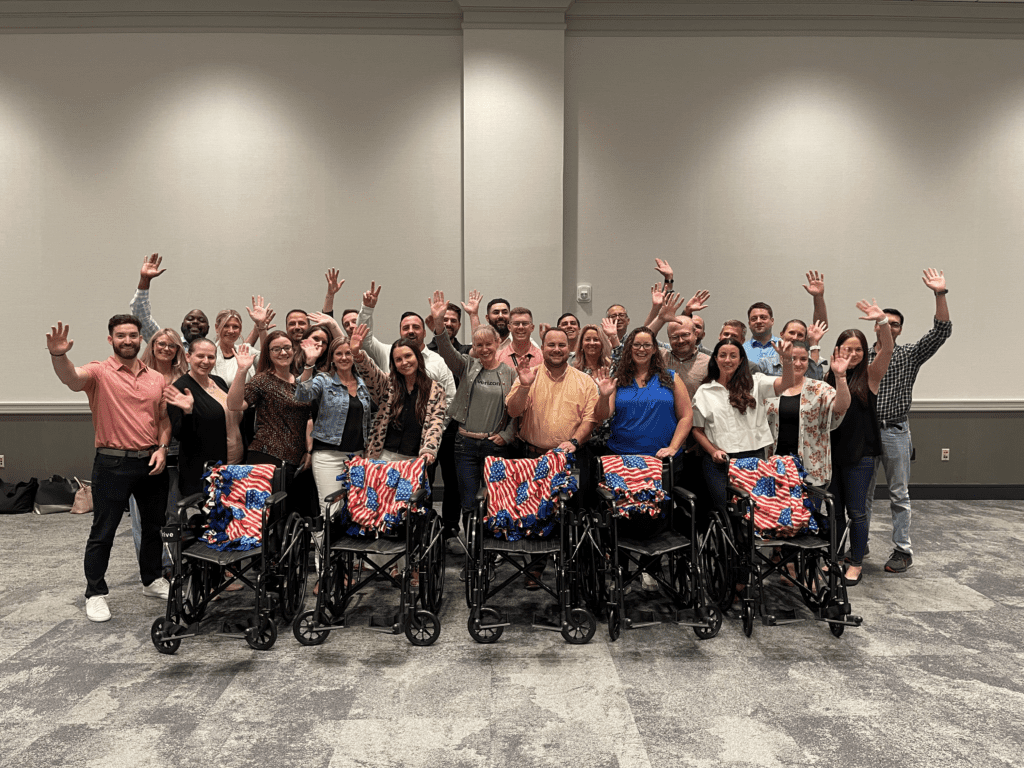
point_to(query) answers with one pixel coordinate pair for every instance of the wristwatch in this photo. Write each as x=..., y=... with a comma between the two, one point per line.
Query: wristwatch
x=816, y=348
x=575, y=442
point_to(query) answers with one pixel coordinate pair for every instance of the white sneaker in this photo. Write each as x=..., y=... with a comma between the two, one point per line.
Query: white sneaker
x=649, y=583
x=96, y=608
x=159, y=588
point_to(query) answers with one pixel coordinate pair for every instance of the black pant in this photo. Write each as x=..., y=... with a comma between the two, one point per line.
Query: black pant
x=451, y=504
x=114, y=479
x=301, y=486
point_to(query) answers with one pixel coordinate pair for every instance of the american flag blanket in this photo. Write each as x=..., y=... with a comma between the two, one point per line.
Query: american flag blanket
x=235, y=502
x=521, y=494
x=775, y=487
x=379, y=494
x=635, y=482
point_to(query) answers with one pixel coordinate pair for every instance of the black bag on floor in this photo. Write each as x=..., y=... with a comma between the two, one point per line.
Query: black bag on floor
x=55, y=494
x=17, y=498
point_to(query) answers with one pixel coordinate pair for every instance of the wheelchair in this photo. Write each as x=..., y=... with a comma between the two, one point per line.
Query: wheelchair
x=353, y=557
x=273, y=566
x=690, y=556
x=554, y=532
x=817, y=568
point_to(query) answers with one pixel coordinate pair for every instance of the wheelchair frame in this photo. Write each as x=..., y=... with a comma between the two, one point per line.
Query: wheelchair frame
x=276, y=571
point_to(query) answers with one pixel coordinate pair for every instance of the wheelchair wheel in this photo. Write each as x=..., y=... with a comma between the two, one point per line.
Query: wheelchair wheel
x=836, y=629
x=715, y=564
x=581, y=627
x=432, y=573
x=815, y=593
x=293, y=566
x=614, y=623
x=160, y=634
x=305, y=629
x=262, y=636
x=713, y=615
x=748, y=618
x=423, y=628
x=481, y=634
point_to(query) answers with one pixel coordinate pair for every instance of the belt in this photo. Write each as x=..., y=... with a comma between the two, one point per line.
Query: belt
x=531, y=448
x=475, y=435
x=143, y=454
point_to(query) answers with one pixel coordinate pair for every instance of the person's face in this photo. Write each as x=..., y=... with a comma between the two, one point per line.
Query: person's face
x=591, y=343
x=195, y=325
x=728, y=358
x=852, y=349
x=348, y=322
x=618, y=314
x=571, y=326
x=760, y=322
x=683, y=339
x=485, y=347
x=202, y=358
x=405, y=361
x=452, y=323
x=126, y=341
x=164, y=349
x=730, y=332
x=556, y=349
x=281, y=350
x=894, y=324
x=521, y=327
x=800, y=359
x=296, y=324
x=342, y=357
x=698, y=328
x=643, y=348
x=231, y=330
x=413, y=330
x=321, y=341
x=497, y=317
x=794, y=332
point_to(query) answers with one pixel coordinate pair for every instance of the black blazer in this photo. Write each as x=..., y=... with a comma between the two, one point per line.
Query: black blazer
x=202, y=434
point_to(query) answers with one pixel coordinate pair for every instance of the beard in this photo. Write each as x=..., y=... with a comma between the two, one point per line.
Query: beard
x=127, y=351
x=500, y=326
x=190, y=335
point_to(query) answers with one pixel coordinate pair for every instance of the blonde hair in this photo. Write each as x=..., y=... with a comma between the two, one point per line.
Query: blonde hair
x=222, y=317
x=178, y=366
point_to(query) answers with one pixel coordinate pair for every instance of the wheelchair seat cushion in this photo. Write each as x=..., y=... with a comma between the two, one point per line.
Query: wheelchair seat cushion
x=781, y=507
x=235, y=502
x=521, y=494
x=635, y=482
x=380, y=493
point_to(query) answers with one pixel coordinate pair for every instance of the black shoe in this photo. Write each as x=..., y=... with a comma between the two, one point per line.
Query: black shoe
x=852, y=582
x=899, y=562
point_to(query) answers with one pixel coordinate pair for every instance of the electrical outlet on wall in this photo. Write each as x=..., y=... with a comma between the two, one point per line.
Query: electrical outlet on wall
x=945, y=454
x=1, y=461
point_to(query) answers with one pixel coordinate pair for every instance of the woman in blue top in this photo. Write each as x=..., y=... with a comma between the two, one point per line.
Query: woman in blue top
x=650, y=414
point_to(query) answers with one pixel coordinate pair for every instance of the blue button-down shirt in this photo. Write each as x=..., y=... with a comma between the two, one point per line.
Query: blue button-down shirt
x=756, y=350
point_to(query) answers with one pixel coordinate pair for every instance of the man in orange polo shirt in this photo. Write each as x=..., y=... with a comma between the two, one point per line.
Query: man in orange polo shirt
x=132, y=433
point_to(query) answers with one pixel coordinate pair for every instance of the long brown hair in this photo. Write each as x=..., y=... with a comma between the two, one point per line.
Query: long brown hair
x=397, y=381
x=741, y=384
x=266, y=365
x=626, y=375
x=857, y=377
x=580, y=361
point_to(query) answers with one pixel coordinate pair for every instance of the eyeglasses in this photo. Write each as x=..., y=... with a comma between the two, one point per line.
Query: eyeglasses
x=279, y=350
x=680, y=337
x=644, y=345
x=617, y=315
x=521, y=324
x=165, y=345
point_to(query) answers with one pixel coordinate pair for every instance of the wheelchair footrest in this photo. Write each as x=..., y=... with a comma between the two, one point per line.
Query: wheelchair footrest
x=545, y=622
x=688, y=617
x=853, y=621
x=781, y=616
x=646, y=619
x=503, y=622
x=386, y=626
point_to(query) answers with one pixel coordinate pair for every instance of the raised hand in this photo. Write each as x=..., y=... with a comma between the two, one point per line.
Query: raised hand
x=244, y=356
x=370, y=297
x=871, y=310
x=527, y=375
x=611, y=330
x=605, y=383
x=472, y=304
x=815, y=331
x=657, y=295
x=663, y=267
x=57, y=341
x=670, y=309
x=177, y=398
x=358, y=334
x=784, y=348
x=150, y=269
x=698, y=303
x=934, y=279
x=815, y=283
x=258, y=313
x=333, y=284
x=543, y=328
x=311, y=349
x=840, y=362
x=437, y=308
x=269, y=321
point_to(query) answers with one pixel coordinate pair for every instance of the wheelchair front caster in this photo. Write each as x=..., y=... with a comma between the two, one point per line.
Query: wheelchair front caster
x=262, y=636
x=580, y=627
x=423, y=628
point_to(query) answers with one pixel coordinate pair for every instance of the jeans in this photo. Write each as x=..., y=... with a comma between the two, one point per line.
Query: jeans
x=897, y=447
x=450, y=505
x=717, y=475
x=470, y=453
x=850, y=485
x=114, y=480
x=173, y=495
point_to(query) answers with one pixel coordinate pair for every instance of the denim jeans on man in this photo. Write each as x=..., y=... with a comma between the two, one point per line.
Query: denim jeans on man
x=897, y=447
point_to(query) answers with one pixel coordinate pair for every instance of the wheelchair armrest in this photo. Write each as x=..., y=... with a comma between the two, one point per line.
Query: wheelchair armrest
x=738, y=492
x=816, y=492
x=605, y=495
x=191, y=501
x=684, y=494
x=335, y=496
x=481, y=495
x=419, y=498
x=276, y=498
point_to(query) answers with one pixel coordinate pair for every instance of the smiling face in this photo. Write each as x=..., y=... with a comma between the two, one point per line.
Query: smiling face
x=296, y=324
x=202, y=356
x=126, y=341
x=497, y=317
x=683, y=339
x=591, y=344
x=760, y=322
x=521, y=326
x=731, y=332
x=405, y=361
x=894, y=325
x=281, y=351
x=571, y=326
x=642, y=348
x=800, y=359
x=321, y=341
x=617, y=312
x=348, y=322
x=852, y=350
x=728, y=359
x=452, y=323
x=342, y=358
x=230, y=330
x=195, y=325
x=485, y=347
x=794, y=331
x=164, y=348
x=413, y=330
x=555, y=349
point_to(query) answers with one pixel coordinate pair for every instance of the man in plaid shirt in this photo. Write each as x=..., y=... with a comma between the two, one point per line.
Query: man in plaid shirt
x=894, y=397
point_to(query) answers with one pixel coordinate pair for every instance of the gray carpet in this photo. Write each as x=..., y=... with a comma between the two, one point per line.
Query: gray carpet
x=934, y=677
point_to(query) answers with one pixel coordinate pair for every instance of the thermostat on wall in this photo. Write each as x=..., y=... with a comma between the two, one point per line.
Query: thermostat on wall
x=583, y=293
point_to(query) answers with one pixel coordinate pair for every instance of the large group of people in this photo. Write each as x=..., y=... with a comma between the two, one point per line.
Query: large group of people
x=320, y=391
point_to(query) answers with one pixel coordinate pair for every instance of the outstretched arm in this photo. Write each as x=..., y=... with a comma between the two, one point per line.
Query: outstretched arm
x=878, y=366
x=140, y=301
x=936, y=281
x=333, y=286
x=472, y=308
x=816, y=287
